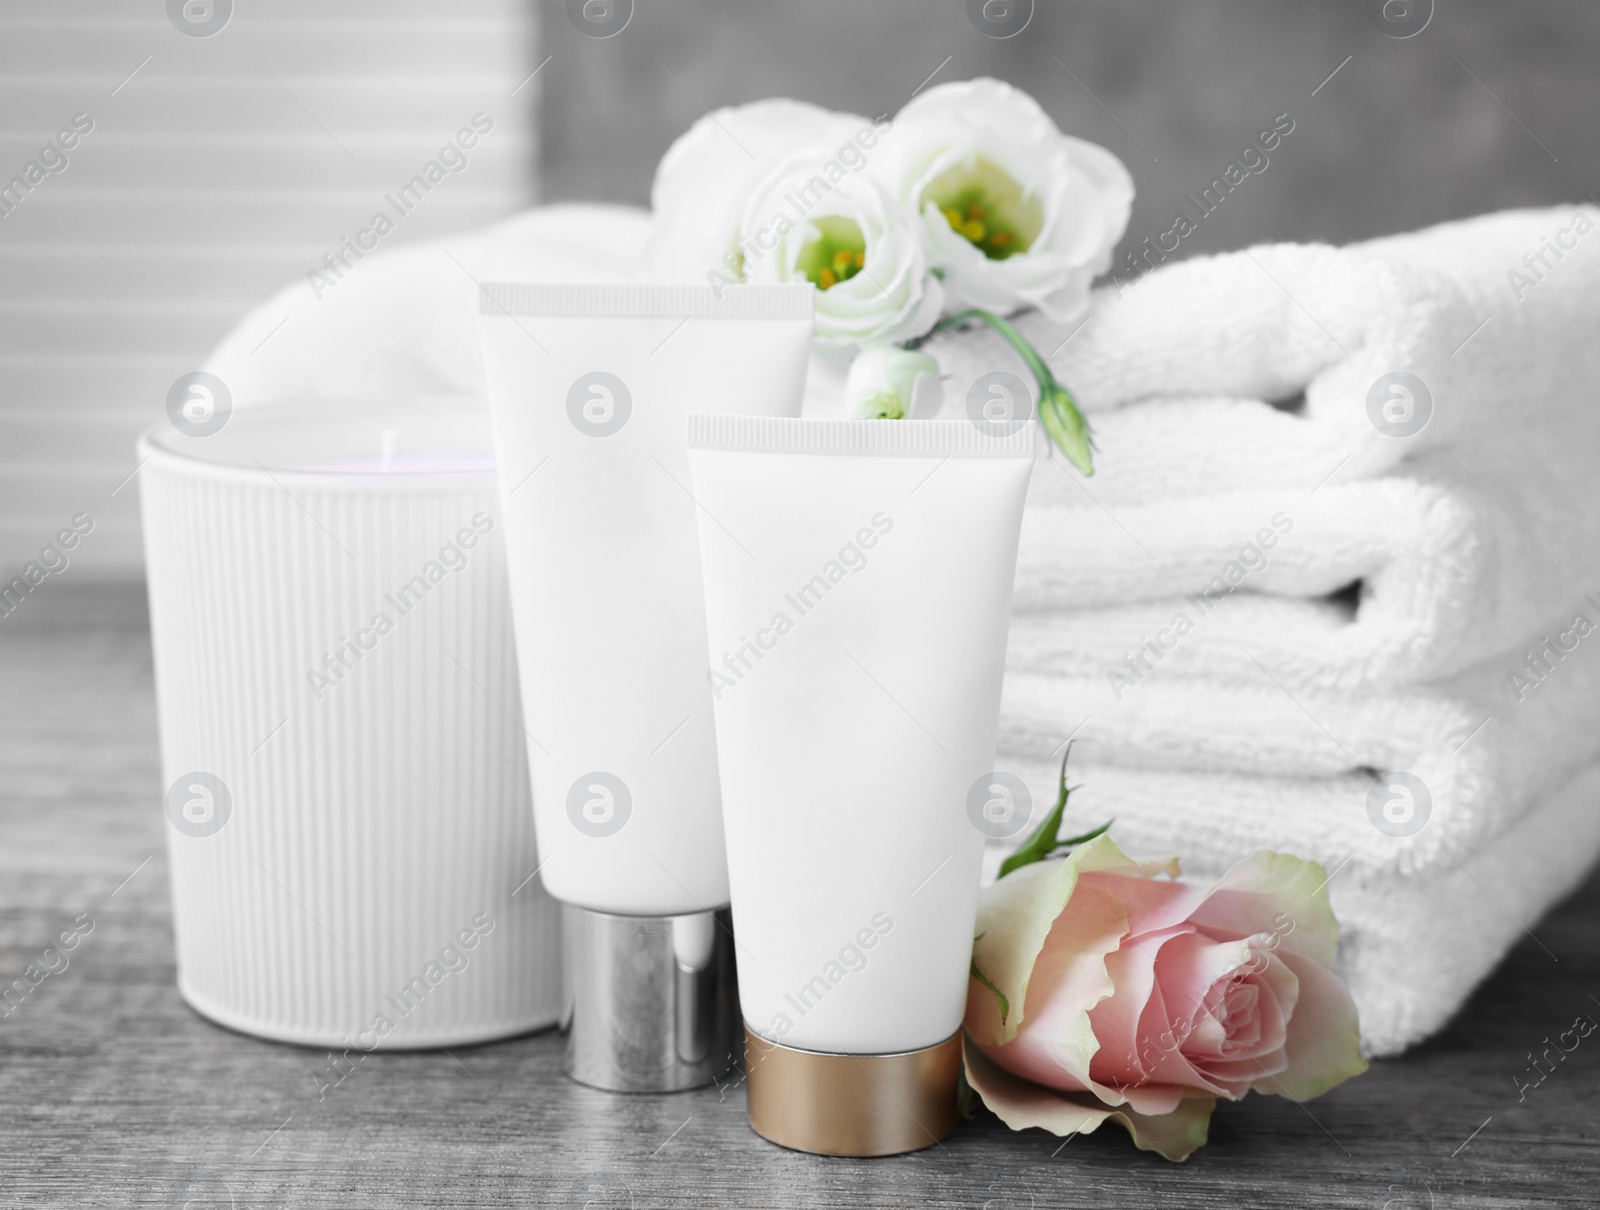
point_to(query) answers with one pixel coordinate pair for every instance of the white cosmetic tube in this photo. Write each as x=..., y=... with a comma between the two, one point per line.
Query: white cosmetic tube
x=590, y=387
x=858, y=588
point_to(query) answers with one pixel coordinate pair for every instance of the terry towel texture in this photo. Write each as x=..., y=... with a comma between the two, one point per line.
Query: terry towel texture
x=1220, y=760
x=1412, y=950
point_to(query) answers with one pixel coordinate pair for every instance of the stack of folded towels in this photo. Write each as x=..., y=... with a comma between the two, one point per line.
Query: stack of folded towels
x=1335, y=588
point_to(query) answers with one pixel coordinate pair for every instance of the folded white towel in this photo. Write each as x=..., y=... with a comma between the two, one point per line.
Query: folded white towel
x=1224, y=762
x=1483, y=522
x=1413, y=949
x=1435, y=573
x=1510, y=717
x=1452, y=304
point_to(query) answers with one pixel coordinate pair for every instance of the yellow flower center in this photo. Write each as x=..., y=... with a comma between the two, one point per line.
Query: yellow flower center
x=836, y=253
x=987, y=207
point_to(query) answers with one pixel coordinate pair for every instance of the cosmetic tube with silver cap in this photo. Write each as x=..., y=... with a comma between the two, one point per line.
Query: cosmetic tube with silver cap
x=590, y=386
x=650, y=1000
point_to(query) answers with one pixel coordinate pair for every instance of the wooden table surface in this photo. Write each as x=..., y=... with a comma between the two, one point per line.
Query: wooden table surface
x=115, y=1094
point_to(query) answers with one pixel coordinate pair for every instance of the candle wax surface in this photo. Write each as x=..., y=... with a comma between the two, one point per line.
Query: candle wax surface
x=403, y=463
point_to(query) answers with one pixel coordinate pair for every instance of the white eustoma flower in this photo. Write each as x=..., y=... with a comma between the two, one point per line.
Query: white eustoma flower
x=819, y=217
x=1013, y=213
x=707, y=175
x=890, y=383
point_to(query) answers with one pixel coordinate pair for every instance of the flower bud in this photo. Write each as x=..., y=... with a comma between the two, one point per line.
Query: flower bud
x=885, y=382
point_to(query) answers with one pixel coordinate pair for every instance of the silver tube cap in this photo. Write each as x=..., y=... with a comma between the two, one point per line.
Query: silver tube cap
x=651, y=1001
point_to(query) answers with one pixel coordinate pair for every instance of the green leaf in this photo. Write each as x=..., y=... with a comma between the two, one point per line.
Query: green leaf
x=1045, y=839
x=1086, y=837
x=1005, y=1005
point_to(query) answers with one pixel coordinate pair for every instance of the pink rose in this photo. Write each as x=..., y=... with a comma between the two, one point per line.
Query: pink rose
x=1112, y=992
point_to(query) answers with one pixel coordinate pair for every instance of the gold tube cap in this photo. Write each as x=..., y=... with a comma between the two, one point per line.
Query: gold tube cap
x=855, y=1105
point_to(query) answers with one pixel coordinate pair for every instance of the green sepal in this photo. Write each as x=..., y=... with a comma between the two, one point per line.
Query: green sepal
x=1005, y=1005
x=1045, y=840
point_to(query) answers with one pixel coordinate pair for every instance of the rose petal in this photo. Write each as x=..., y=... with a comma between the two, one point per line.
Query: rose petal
x=1116, y=1021
x=1248, y=1062
x=1188, y=967
x=1280, y=988
x=1278, y=894
x=1070, y=977
x=1152, y=1100
x=1162, y=1037
x=1021, y=1104
x=1151, y=903
x=1323, y=1043
x=1015, y=916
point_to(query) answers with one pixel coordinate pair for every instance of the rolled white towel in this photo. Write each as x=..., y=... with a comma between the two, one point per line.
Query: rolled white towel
x=402, y=324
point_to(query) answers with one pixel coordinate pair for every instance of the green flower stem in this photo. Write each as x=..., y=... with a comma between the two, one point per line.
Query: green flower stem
x=1045, y=840
x=1014, y=338
x=1058, y=410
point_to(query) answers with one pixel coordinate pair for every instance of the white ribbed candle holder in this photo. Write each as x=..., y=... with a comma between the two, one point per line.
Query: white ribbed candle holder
x=349, y=824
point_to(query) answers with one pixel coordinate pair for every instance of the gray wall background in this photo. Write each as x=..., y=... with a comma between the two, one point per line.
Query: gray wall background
x=1403, y=136
x=219, y=169
x=222, y=167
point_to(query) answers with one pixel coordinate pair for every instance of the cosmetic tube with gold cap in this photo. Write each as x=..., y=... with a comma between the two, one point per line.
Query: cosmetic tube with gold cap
x=858, y=588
